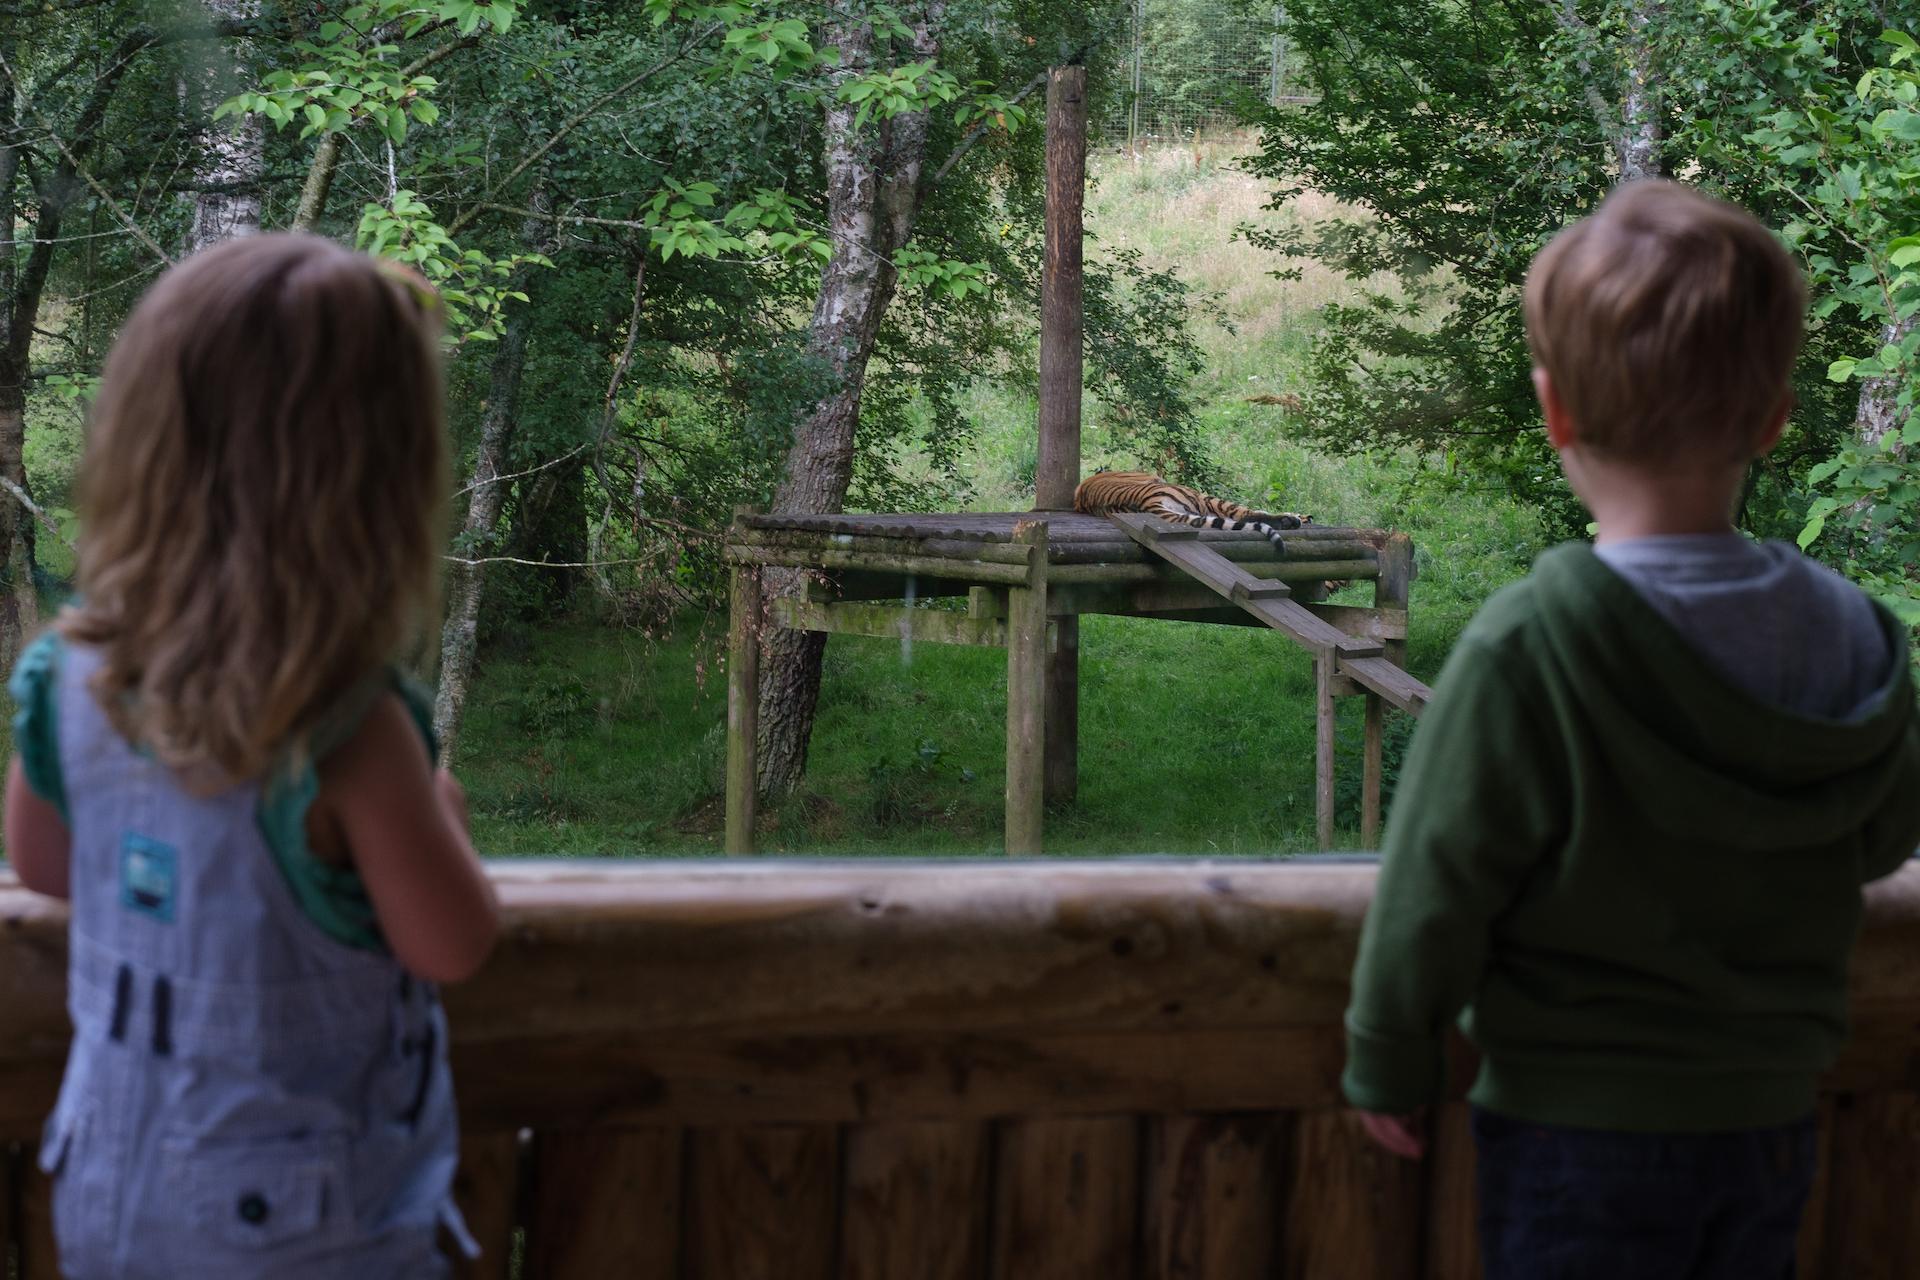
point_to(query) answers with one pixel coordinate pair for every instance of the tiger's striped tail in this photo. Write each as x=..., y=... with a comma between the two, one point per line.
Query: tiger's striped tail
x=1168, y=511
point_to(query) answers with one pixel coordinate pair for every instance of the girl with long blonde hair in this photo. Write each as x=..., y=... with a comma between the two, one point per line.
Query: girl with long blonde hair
x=220, y=768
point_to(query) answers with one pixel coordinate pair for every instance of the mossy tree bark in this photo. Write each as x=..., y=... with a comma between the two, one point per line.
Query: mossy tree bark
x=466, y=572
x=232, y=160
x=873, y=196
x=23, y=280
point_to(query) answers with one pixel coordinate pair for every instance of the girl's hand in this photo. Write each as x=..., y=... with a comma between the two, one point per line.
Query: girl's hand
x=406, y=830
x=1402, y=1135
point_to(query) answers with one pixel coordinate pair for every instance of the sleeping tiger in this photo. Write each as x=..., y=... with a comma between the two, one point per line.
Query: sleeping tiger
x=1107, y=491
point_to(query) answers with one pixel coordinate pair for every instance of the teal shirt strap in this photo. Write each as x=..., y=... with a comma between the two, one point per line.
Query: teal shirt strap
x=334, y=898
x=35, y=688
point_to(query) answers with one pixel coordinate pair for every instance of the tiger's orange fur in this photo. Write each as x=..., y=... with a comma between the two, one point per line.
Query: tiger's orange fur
x=1109, y=491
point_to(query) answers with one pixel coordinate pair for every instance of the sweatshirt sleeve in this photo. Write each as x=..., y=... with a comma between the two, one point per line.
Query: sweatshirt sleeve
x=1893, y=834
x=1481, y=800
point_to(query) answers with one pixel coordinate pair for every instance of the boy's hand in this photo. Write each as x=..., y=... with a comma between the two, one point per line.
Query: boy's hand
x=1402, y=1135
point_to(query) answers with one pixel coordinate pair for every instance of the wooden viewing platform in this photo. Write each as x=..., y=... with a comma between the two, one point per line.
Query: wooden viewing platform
x=964, y=1070
x=1026, y=578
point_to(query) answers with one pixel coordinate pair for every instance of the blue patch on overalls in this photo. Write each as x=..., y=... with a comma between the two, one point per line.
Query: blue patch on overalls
x=146, y=876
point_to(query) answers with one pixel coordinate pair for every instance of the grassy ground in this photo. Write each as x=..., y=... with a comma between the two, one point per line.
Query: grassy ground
x=1193, y=739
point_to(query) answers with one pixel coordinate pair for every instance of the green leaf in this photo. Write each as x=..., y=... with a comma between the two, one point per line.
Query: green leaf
x=316, y=116
x=1840, y=371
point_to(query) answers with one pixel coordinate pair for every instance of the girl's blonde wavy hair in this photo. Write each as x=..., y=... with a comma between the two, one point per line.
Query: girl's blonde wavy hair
x=262, y=499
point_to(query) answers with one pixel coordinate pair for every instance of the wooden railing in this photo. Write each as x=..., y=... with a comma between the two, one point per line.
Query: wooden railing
x=901, y=1070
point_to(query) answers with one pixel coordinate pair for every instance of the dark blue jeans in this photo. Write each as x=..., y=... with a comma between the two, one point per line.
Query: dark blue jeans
x=1586, y=1204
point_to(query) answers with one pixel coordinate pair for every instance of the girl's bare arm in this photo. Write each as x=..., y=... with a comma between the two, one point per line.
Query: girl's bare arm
x=37, y=839
x=406, y=832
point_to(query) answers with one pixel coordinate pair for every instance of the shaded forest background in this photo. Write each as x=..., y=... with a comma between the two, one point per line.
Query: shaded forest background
x=703, y=254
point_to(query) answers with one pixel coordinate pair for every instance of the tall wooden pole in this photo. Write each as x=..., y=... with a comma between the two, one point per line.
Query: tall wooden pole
x=1060, y=289
x=1058, y=473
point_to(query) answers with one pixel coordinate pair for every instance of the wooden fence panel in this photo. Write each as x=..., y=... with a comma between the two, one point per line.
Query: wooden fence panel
x=1453, y=1236
x=1813, y=1227
x=487, y=1187
x=1073, y=1069
x=761, y=1203
x=915, y=1205
x=1215, y=1189
x=1869, y=1226
x=39, y=1255
x=605, y=1203
x=1353, y=1210
x=11, y=1158
x=1064, y=1199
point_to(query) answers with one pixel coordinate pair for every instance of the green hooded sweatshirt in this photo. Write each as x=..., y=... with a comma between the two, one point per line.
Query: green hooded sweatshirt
x=1641, y=883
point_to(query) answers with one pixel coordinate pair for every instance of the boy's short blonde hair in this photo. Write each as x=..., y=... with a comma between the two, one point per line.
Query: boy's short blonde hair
x=1668, y=322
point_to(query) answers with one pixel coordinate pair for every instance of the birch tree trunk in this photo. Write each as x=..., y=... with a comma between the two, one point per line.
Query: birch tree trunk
x=873, y=195
x=466, y=583
x=1879, y=414
x=1638, y=144
x=227, y=178
x=1634, y=128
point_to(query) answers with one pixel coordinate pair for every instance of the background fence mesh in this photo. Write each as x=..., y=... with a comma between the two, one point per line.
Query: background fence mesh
x=1192, y=66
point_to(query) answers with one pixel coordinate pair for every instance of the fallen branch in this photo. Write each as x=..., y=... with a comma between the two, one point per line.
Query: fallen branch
x=46, y=521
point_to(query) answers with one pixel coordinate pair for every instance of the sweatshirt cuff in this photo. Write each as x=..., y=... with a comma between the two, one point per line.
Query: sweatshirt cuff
x=1392, y=1074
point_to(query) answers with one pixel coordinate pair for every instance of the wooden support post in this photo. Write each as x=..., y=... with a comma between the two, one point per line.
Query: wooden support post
x=1026, y=695
x=1063, y=712
x=1391, y=590
x=1323, y=712
x=487, y=1188
x=1370, y=769
x=1058, y=472
x=1061, y=361
x=743, y=706
x=1394, y=586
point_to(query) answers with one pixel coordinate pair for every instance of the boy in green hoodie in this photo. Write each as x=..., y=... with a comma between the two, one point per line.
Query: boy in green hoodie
x=1630, y=837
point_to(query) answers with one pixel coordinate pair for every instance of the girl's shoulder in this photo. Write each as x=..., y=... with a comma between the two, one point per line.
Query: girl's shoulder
x=349, y=716
x=35, y=685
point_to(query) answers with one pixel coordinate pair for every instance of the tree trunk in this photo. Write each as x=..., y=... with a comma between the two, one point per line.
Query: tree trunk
x=226, y=202
x=550, y=524
x=22, y=285
x=1638, y=145
x=466, y=583
x=1879, y=412
x=1634, y=129
x=19, y=610
x=873, y=194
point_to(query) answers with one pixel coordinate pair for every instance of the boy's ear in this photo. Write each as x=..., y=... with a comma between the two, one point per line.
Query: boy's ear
x=1560, y=429
x=1771, y=437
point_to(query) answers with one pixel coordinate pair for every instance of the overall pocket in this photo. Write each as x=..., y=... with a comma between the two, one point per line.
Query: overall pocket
x=246, y=1200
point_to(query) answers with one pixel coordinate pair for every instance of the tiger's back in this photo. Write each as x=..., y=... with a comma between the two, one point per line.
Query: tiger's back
x=1106, y=492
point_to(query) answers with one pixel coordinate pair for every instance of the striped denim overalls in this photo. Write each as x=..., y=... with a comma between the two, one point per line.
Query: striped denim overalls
x=245, y=1096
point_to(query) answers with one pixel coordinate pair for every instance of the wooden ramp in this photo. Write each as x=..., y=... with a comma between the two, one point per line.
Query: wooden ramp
x=1360, y=660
